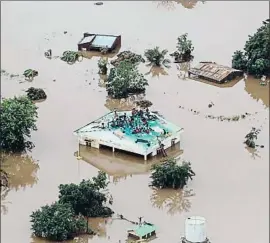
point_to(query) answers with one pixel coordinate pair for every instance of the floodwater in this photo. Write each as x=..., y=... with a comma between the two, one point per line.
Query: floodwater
x=231, y=184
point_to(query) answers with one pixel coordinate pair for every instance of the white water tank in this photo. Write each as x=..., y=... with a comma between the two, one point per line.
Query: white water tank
x=195, y=229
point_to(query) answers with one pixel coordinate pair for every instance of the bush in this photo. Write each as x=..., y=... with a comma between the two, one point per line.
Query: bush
x=86, y=198
x=125, y=79
x=128, y=56
x=251, y=137
x=18, y=118
x=57, y=222
x=36, y=94
x=256, y=56
x=156, y=57
x=171, y=175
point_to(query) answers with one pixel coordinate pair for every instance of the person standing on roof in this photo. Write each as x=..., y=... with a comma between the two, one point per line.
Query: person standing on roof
x=115, y=114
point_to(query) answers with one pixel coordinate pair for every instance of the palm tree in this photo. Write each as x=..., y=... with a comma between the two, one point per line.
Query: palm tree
x=156, y=57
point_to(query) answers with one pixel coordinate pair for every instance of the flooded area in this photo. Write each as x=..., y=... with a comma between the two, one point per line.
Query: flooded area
x=231, y=185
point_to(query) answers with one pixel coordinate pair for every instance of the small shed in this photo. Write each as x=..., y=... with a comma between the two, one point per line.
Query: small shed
x=96, y=42
x=214, y=72
x=142, y=231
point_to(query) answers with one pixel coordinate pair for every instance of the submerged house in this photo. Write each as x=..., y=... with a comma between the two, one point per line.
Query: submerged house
x=214, y=72
x=115, y=130
x=96, y=42
x=142, y=231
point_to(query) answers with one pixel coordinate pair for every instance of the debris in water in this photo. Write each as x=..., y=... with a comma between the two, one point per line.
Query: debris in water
x=48, y=53
x=98, y=3
x=5, y=73
x=65, y=32
x=221, y=118
x=14, y=75
x=211, y=104
x=251, y=137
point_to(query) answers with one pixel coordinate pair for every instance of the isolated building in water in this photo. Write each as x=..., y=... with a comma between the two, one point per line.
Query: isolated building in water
x=97, y=42
x=146, y=134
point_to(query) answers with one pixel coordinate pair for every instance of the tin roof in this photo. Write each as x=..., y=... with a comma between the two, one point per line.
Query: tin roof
x=144, y=229
x=104, y=41
x=87, y=39
x=127, y=140
x=212, y=70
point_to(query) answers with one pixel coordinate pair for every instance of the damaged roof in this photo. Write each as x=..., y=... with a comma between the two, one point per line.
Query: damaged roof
x=212, y=70
x=96, y=40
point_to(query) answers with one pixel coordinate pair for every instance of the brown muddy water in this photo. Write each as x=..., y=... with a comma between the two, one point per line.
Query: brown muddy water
x=231, y=186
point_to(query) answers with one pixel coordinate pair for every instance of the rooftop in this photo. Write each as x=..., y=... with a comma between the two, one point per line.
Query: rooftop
x=104, y=41
x=97, y=40
x=124, y=136
x=212, y=70
x=87, y=39
x=143, y=229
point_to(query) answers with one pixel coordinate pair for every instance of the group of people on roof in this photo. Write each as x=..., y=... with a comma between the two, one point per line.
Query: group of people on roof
x=138, y=121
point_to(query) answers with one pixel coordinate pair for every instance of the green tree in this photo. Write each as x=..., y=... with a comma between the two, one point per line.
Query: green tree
x=156, y=57
x=171, y=175
x=239, y=61
x=184, y=49
x=18, y=118
x=125, y=79
x=87, y=198
x=257, y=51
x=57, y=222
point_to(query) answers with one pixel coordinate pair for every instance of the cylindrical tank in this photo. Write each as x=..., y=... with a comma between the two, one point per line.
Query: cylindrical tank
x=195, y=229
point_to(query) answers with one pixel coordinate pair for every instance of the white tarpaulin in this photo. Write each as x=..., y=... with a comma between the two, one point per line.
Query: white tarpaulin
x=157, y=129
x=118, y=133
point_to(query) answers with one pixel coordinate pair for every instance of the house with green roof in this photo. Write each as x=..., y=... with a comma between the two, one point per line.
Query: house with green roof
x=142, y=231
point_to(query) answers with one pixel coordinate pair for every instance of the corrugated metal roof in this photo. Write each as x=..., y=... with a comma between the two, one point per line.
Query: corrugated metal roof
x=212, y=70
x=104, y=41
x=87, y=39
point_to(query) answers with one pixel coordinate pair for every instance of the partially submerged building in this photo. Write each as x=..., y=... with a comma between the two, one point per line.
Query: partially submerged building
x=97, y=42
x=214, y=72
x=132, y=134
x=142, y=231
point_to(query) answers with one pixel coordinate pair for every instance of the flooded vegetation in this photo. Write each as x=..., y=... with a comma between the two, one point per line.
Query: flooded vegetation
x=230, y=189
